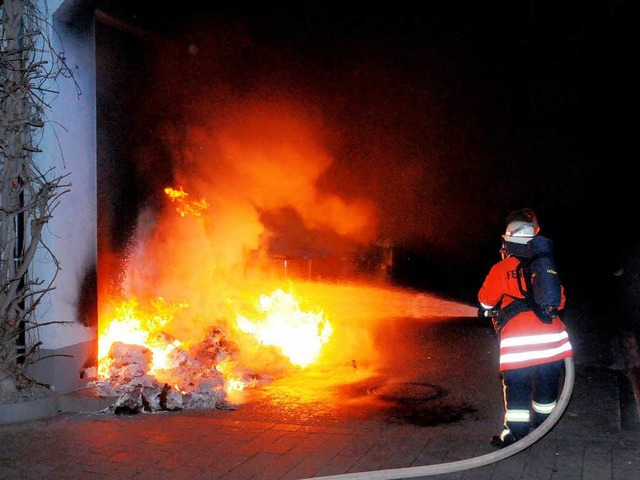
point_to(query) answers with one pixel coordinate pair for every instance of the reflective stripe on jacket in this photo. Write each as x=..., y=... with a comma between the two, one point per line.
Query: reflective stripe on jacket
x=525, y=340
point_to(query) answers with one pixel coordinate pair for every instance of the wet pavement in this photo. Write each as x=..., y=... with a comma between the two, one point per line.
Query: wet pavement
x=434, y=397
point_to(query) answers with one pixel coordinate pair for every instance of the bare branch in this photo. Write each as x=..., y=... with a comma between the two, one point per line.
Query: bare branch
x=29, y=70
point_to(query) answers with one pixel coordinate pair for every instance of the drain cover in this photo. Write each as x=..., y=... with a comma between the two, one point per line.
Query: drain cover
x=408, y=392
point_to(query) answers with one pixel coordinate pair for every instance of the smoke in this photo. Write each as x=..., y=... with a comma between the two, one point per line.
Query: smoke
x=271, y=162
x=269, y=157
x=319, y=135
x=248, y=177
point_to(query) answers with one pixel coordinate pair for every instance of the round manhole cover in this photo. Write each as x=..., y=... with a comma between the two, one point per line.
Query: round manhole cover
x=408, y=392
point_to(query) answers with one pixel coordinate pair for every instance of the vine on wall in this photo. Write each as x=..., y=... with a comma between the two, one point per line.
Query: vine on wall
x=29, y=71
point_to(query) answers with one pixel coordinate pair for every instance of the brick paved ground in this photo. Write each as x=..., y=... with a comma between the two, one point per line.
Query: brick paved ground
x=597, y=438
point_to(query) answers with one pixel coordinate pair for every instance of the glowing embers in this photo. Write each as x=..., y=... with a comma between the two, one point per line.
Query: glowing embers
x=298, y=334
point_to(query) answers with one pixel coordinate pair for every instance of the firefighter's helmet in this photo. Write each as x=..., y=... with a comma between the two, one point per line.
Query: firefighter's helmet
x=520, y=232
x=522, y=226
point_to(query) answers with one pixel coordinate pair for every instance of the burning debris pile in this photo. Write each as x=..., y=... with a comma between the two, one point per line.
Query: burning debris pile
x=248, y=184
x=153, y=359
x=190, y=379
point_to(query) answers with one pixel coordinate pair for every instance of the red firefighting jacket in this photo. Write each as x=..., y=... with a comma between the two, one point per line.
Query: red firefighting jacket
x=525, y=340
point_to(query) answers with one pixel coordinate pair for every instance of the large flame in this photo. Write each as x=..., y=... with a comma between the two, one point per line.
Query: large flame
x=298, y=334
x=276, y=320
x=259, y=173
x=133, y=327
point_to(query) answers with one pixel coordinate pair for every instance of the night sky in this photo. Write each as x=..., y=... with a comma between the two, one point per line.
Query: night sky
x=448, y=115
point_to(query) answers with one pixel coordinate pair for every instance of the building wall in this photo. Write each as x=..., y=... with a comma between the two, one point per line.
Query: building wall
x=69, y=147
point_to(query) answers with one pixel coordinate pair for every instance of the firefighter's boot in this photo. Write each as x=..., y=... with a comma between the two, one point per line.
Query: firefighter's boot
x=500, y=441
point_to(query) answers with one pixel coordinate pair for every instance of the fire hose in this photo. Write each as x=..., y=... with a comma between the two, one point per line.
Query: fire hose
x=475, y=462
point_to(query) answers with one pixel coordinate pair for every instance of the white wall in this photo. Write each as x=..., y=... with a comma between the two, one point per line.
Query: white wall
x=69, y=146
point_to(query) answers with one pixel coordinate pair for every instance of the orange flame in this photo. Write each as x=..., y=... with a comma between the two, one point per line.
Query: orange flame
x=299, y=335
x=186, y=208
x=134, y=328
x=233, y=384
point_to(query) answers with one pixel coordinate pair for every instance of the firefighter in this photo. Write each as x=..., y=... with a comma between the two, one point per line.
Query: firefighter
x=532, y=352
